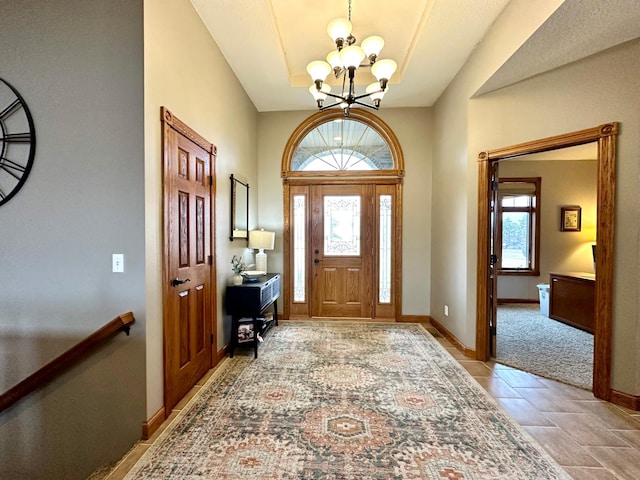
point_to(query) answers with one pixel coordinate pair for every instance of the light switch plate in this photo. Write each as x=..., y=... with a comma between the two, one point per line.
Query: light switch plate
x=118, y=263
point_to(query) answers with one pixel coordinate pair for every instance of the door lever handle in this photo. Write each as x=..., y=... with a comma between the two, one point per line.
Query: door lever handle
x=176, y=281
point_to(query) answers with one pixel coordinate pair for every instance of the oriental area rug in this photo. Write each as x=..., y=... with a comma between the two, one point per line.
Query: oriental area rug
x=344, y=401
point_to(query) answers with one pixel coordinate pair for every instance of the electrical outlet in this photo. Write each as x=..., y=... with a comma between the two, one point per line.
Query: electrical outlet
x=117, y=260
x=446, y=310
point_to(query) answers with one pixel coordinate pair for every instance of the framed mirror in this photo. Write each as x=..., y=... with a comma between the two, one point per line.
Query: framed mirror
x=239, y=209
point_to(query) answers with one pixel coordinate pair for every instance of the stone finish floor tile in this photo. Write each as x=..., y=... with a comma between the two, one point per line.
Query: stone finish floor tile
x=562, y=448
x=497, y=387
x=625, y=462
x=555, y=400
x=585, y=430
x=589, y=473
x=524, y=413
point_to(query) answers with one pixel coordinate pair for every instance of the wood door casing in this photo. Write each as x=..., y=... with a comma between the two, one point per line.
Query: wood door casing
x=342, y=284
x=188, y=263
x=297, y=265
x=606, y=136
x=298, y=286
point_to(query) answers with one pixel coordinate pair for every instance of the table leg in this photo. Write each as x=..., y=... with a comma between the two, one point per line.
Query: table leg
x=256, y=332
x=275, y=312
x=234, y=335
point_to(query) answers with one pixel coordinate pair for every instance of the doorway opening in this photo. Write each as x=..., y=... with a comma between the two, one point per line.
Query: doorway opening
x=487, y=299
x=532, y=248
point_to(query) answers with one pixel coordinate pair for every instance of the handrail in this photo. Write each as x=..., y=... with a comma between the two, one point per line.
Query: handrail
x=62, y=362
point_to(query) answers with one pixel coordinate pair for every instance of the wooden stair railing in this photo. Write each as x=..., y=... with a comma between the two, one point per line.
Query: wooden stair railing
x=61, y=363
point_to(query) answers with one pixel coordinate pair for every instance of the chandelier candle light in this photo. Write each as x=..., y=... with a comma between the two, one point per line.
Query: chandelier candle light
x=343, y=62
x=261, y=240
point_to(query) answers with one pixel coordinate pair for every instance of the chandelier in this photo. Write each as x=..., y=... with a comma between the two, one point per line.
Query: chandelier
x=343, y=63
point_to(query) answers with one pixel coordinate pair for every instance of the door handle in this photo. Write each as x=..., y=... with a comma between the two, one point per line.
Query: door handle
x=176, y=281
x=316, y=260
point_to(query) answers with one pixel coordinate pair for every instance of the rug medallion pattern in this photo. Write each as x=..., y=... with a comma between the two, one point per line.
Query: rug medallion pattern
x=345, y=401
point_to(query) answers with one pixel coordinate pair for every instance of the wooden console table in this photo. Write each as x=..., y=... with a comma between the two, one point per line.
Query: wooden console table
x=249, y=301
x=572, y=299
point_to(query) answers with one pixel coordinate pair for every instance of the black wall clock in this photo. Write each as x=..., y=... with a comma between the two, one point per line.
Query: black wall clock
x=17, y=142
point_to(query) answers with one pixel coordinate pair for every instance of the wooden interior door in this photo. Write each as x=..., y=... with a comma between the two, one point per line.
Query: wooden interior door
x=342, y=257
x=188, y=264
x=495, y=250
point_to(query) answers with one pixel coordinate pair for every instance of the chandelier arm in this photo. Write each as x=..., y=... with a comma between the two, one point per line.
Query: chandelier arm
x=366, y=95
x=366, y=105
x=327, y=107
x=329, y=94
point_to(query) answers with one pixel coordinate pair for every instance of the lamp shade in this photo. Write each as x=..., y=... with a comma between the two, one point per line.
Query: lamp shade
x=261, y=240
x=352, y=56
x=320, y=94
x=374, y=91
x=372, y=45
x=318, y=70
x=334, y=59
x=383, y=69
x=339, y=28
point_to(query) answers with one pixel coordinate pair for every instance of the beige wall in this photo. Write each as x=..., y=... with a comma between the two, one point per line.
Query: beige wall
x=597, y=90
x=78, y=65
x=454, y=168
x=412, y=127
x=185, y=71
x=563, y=182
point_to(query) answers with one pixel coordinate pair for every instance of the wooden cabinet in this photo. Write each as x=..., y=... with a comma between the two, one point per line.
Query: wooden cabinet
x=573, y=299
x=247, y=302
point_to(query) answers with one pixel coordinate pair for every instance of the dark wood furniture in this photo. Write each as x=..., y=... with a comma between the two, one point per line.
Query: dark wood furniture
x=573, y=299
x=247, y=302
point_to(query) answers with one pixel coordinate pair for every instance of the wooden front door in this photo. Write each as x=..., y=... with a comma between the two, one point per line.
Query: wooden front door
x=342, y=242
x=188, y=265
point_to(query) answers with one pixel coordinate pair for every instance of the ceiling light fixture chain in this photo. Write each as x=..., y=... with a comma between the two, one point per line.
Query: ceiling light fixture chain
x=343, y=62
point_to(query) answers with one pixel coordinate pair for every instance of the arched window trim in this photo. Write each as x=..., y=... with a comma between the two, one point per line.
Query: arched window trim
x=363, y=116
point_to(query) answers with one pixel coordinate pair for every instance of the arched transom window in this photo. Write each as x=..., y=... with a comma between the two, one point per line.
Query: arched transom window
x=342, y=144
x=331, y=143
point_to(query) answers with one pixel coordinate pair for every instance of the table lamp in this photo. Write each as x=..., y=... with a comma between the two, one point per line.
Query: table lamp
x=261, y=240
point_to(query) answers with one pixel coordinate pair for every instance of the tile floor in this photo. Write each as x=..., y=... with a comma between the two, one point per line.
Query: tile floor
x=589, y=438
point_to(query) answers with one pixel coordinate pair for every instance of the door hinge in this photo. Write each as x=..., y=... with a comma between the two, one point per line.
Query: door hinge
x=494, y=186
x=493, y=331
x=210, y=260
x=493, y=259
x=211, y=339
x=210, y=180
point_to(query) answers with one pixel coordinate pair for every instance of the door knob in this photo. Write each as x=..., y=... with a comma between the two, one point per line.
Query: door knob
x=176, y=281
x=316, y=260
x=316, y=251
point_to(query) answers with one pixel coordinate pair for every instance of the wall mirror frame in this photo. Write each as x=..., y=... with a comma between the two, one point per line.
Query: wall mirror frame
x=239, y=215
x=605, y=135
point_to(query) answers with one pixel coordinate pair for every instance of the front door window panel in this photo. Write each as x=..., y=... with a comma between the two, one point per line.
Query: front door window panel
x=342, y=225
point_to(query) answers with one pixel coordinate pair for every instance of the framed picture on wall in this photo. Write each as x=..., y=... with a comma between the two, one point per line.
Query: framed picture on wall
x=570, y=219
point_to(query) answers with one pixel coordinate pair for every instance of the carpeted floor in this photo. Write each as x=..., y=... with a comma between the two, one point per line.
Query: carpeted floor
x=538, y=344
x=334, y=400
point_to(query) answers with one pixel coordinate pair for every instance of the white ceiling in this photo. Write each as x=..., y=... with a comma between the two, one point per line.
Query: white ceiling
x=268, y=43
